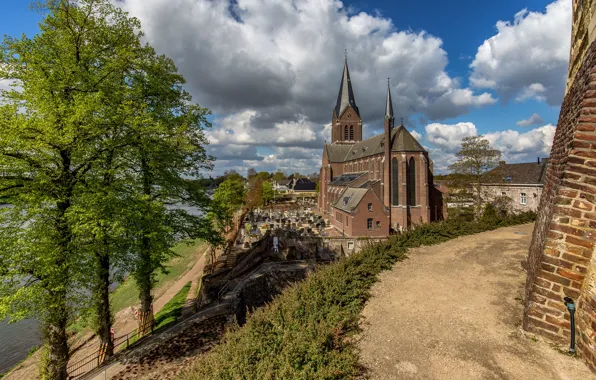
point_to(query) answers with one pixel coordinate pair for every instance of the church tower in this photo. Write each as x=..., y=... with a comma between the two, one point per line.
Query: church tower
x=346, y=124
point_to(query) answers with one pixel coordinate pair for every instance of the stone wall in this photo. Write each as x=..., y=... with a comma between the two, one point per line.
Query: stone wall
x=514, y=192
x=561, y=260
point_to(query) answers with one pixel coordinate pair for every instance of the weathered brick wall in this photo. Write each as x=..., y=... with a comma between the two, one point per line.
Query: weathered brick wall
x=565, y=233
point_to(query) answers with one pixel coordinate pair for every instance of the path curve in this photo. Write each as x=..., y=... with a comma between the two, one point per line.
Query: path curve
x=453, y=311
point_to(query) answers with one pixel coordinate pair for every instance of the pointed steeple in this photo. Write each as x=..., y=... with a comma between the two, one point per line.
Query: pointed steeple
x=345, y=96
x=389, y=104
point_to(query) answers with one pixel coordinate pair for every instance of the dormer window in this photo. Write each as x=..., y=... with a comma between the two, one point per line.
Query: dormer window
x=346, y=200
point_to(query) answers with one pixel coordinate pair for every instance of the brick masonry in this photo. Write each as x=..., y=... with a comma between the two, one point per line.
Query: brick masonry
x=561, y=261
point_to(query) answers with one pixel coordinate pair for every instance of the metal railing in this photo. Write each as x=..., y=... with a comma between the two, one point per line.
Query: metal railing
x=96, y=359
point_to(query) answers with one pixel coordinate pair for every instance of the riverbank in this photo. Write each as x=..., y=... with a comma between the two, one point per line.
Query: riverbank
x=186, y=266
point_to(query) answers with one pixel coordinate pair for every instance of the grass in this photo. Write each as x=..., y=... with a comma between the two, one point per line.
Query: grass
x=308, y=331
x=126, y=294
x=172, y=310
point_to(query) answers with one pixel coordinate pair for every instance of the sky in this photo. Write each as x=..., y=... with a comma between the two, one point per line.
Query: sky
x=270, y=70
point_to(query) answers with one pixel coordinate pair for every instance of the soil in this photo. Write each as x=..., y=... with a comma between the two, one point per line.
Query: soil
x=454, y=311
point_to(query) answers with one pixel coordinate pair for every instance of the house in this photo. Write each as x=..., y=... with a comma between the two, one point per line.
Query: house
x=283, y=185
x=302, y=185
x=371, y=187
x=521, y=183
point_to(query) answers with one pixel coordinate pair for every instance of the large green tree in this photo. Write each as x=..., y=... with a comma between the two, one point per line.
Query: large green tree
x=475, y=158
x=227, y=199
x=54, y=129
x=99, y=140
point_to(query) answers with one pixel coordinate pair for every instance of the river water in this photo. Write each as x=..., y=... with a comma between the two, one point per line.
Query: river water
x=16, y=339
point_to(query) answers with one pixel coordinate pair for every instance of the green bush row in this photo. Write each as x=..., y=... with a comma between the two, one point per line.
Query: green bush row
x=307, y=331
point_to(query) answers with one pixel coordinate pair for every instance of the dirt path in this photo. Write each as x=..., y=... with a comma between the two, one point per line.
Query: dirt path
x=453, y=312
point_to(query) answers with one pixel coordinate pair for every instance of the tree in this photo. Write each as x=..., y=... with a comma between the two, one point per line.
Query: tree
x=279, y=176
x=55, y=128
x=228, y=198
x=267, y=192
x=475, y=158
x=250, y=173
x=96, y=148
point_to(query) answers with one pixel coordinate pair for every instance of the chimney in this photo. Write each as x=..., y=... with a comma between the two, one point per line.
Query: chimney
x=538, y=161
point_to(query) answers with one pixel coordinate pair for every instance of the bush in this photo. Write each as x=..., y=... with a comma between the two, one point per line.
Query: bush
x=307, y=331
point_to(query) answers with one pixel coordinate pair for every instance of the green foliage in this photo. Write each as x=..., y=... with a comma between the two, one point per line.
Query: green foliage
x=308, y=331
x=173, y=309
x=278, y=176
x=475, y=158
x=227, y=199
x=267, y=192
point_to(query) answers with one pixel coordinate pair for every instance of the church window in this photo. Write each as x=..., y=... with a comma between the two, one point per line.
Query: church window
x=412, y=182
x=351, y=132
x=345, y=132
x=394, y=182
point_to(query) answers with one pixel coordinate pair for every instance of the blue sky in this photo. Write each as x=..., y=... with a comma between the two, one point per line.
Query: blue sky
x=270, y=71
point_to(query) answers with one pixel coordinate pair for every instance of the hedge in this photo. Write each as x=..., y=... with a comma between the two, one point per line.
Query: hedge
x=308, y=331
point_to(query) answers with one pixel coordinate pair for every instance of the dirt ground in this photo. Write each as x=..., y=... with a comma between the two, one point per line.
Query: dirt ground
x=453, y=311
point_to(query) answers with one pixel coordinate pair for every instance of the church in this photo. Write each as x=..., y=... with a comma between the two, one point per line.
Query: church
x=376, y=186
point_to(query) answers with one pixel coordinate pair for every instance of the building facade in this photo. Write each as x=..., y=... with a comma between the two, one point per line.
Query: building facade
x=374, y=186
x=521, y=184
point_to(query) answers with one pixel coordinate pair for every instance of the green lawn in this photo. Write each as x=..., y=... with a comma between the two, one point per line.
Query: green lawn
x=172, y=310
x=126, y=294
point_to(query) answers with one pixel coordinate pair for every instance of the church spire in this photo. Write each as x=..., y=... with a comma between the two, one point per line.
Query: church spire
x=389, y=104
x=345, y=96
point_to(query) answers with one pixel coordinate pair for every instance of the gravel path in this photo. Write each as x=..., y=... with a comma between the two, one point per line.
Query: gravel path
x=454, y=311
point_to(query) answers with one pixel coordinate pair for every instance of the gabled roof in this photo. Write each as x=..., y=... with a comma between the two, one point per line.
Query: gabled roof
x=304, y=184
x=346, y=179
x=517, y=174
x=337, y=152
x=350, y=199
x=403, y=141
x=345, y=96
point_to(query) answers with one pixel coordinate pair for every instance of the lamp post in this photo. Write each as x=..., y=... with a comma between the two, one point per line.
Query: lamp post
x=571, y=307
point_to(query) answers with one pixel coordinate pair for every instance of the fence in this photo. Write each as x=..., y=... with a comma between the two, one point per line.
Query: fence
x=94, y=360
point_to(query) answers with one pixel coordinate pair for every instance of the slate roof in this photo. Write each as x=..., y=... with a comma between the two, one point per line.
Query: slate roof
x=304, y=184
x=345, y=96
x=517, y=174
x=366, y=184
x=389, y=104
x=403, y=141
x=345, y=179
x=353, y=195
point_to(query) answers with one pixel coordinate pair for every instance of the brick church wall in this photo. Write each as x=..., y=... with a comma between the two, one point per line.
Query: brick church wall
x=559, y=262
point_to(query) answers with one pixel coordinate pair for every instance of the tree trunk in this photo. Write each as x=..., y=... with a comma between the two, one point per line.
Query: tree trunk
x=145, y=281
x=57, y=354
x=102, y=305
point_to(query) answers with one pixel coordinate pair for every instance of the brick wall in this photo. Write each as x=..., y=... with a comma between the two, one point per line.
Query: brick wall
x=565, y=234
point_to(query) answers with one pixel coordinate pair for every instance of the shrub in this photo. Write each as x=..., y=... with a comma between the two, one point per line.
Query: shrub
x=307, y=331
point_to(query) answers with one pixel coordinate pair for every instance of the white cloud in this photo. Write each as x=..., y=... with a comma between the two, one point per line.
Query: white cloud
x=514, y=146
x=449, y=136
x=278, y=63
x=416, y=135
x=535, y=119
x=523, y=146
x=527, y=58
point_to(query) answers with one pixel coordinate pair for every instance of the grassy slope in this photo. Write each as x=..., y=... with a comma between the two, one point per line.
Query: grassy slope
x=127, y=294
x=307, y=332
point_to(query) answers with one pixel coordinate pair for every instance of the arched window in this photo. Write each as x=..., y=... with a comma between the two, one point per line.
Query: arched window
x=412, y=182
x=345, y=132
x=394, y=182
x=351, y=132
